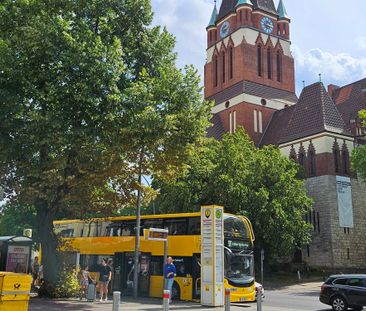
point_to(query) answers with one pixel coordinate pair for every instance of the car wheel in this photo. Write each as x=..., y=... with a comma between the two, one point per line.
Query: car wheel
x=339, y=304
x=175, y=292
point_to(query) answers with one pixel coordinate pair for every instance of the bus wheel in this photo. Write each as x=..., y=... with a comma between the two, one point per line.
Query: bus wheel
x=175, y=291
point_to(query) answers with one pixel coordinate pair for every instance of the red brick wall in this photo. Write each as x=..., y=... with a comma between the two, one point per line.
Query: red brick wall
x=245, y=118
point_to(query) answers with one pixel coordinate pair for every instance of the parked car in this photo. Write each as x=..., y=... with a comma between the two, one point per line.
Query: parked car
x=344, y=291
x=256, y=290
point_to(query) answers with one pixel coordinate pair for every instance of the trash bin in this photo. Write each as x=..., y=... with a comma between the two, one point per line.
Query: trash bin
x=14, y=291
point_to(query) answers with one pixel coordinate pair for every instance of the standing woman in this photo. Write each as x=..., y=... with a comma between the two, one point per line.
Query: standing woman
x=84, y=283
x=105, y=276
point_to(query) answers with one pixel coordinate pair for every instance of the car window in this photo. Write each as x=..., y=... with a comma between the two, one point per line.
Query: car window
x=340, y=281
x=355, y=282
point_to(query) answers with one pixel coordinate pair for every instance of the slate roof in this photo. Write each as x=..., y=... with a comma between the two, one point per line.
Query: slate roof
x=228, y=6
x=213, y=18
x=217, y=129
x=282, y=13
x=350, y=99
x=255, y=89
x=315, y=112
x=277, y=126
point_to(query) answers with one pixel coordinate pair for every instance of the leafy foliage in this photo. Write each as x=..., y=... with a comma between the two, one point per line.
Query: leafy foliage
x=259, y=183
x=90, y=97
x=359, y=154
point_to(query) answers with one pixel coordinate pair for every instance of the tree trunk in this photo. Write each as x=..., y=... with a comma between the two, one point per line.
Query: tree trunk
x=48, y=240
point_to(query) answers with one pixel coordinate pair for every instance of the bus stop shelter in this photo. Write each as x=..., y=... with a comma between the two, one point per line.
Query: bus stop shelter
x=15, y=254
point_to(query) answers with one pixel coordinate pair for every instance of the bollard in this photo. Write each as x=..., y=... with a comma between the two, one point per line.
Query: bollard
x=259, y=298
x=299, y=275
x=166, y=297
x=116, y=301
x=227, y=299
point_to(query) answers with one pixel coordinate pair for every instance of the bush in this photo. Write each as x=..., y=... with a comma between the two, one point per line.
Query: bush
x=67, y=286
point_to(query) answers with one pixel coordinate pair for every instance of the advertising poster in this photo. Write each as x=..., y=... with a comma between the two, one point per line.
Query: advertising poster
x=17, y=259
x=345, y=208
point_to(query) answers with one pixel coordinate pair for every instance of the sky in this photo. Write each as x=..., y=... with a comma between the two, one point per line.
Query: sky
x=328, y=36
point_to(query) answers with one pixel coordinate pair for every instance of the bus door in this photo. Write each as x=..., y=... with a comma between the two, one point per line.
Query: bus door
x=124, y=271
x=196, y=276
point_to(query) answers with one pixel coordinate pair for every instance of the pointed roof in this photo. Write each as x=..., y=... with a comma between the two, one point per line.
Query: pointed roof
x=228, y=6
x=282, y=13
x=314, y=113
x=213, y=18
x=242, y=2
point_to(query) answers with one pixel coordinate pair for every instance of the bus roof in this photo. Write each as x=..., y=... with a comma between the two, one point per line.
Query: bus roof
x=180, y=215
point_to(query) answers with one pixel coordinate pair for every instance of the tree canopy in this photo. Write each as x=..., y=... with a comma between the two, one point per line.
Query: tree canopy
x=89, y=91
x=259, y=183
x=359, y=154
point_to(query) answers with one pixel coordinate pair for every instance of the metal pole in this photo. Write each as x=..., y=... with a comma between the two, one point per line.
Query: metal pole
x=227, y=299
x=259, y=298
x=262, y=261
x=166, y=298
x=137, y=240
x=165, y=256
x=116, y=301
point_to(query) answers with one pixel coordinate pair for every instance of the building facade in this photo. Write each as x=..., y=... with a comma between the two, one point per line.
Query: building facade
x=250, y=76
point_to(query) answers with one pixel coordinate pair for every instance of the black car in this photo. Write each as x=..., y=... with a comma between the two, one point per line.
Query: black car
x=344, y=291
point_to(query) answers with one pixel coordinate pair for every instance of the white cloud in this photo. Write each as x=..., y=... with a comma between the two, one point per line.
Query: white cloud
x=341, y=68
x=187, y=21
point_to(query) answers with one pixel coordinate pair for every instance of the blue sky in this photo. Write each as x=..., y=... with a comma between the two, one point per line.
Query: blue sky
x=328, y=36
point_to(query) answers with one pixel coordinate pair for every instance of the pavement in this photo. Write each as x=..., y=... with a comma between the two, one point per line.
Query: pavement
x=302, y=297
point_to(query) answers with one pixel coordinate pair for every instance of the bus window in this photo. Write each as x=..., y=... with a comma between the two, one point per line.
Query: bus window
x=156, y=265
x=67, y=233
x=194, y=225
x=183, y=265
x=153, y=223
x=235, y=227
x=176, y=226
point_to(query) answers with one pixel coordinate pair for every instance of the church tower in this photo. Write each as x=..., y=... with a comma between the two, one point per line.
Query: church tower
x=249, y=71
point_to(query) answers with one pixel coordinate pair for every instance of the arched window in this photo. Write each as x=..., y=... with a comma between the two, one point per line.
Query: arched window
x=223, y=67
x=231, y=63
x=210, y=35
x=216, y=71
x=259, y=60
x=240, y=15
x=279, y=66
x=269, y=63
x=336, y=159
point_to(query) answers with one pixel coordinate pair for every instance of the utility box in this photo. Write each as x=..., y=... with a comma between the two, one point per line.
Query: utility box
x=14, y=291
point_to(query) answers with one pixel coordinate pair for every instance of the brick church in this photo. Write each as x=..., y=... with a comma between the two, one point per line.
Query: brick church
x=250, y=76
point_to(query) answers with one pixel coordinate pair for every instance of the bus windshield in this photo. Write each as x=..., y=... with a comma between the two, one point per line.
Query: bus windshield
x=235, y=227
x=239, y=268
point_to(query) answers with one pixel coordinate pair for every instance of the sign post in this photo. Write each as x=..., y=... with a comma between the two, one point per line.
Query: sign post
x=212, y=256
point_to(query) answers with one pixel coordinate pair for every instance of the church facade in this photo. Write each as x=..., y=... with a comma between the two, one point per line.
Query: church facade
x=250, y=76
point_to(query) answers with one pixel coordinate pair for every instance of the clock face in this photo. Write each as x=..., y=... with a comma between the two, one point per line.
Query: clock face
x=267, y=25
x=224, y=30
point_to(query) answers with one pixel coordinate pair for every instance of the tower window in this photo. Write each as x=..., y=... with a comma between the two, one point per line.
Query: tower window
x=216, y=69
x=240, y=15
x=269, y=63
x=210, y=36
x=260, y=122
x=231, y=59
x=284, y=29
x=279, y=66
x=246, y=15
x=255, y=121
x=259, y=61
x=223, y=67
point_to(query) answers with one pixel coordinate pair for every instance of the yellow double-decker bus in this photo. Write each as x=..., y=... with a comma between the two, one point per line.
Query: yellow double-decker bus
x=114, y=238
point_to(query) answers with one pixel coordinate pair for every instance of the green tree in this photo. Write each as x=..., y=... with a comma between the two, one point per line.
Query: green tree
x=90, y=98
x=259, y=183
x=359, y=154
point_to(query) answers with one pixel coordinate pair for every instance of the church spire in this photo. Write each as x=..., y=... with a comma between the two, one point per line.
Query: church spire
x=241, y=2
x=281, y=10
x=213, y=18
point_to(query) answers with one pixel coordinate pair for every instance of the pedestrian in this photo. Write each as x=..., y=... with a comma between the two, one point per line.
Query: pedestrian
x=84, y=282
x=105, y=276
x=169, y=274
x=35, y=270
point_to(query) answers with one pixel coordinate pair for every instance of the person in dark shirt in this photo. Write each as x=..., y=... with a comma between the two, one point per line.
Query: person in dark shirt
x=105, y=276
x=169, y=274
